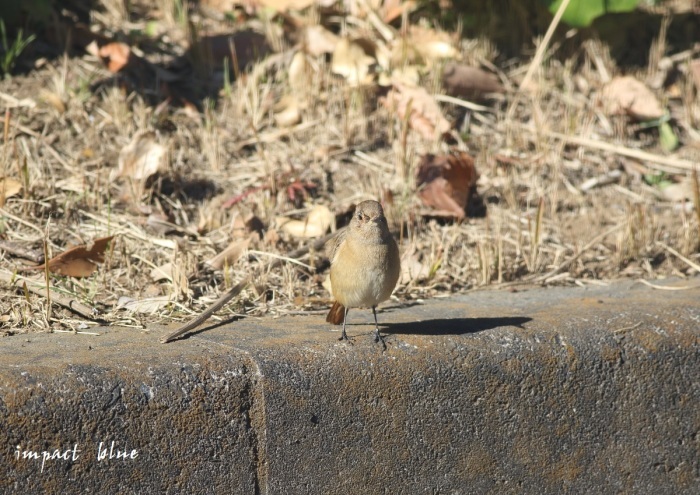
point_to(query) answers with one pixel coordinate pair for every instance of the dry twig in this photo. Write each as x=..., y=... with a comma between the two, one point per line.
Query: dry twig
x=663, y=163
x=235, y=290
x=678, y=255
x=668, y=287
x=56, y=297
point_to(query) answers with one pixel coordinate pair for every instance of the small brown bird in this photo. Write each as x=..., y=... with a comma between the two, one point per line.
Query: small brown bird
x=365, y=265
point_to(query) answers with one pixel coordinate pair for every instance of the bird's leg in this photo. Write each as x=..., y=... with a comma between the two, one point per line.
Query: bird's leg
x=344, y=336
x=377, y=337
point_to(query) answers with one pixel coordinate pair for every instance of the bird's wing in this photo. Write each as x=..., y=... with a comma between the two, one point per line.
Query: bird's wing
x=334, y=243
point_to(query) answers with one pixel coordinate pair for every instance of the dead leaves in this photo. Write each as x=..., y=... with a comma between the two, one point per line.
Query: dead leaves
x=151, y=305
x=422, y=112
x=141, y=158
x=432, y=45
x=8, y=187
x=316, y=224
x=287, y=111
x=354, y=59
x=628, y=96
x=79, y=261
x=414, y=267
x=317, y=40
x=115, y=55
x=230, y=255
x=446, y=183
x=469, y=82
x=400, y=61
x=299, y=74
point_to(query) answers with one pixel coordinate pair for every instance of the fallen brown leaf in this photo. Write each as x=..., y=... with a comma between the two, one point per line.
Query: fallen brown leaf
x=423, y=113
x=354, y=60
x=392, y=9
x=230, y=255
x=627, y=95
x=119, y=57
x=431, y=44
x=469, y=82
x=163, y=272
x=149, y=305
x=317, y=223
x=680, y=191
x=318, y=40
x=299, y=73
x=287, y=111
x=413, y=269
x=79, y=261
x=75, y=183
x=446, y=183
x=8, y=187
x=115, y=55
x=141, y=158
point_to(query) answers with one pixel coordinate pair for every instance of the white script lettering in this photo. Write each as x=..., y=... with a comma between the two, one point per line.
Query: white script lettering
x=113, y=453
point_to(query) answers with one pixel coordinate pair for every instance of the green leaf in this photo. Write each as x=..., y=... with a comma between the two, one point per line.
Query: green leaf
x=151, y=29
x=581, y=13
x=656, y=178
x=667, y=138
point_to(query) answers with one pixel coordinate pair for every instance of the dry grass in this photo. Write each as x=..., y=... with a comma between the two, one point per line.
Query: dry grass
x=546, y=222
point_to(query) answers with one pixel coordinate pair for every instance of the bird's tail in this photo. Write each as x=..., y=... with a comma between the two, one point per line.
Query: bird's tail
x=336, y=314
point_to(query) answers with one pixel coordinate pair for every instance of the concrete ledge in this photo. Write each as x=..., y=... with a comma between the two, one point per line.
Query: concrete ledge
x=541, y=391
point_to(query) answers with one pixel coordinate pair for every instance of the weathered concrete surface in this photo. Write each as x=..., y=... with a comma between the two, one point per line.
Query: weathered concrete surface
x=541, y=391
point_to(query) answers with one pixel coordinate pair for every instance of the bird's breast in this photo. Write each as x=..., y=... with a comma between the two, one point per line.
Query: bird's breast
x=362, y=274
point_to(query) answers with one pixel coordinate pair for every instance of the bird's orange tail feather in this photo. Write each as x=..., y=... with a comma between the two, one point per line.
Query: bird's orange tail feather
x=336, y=314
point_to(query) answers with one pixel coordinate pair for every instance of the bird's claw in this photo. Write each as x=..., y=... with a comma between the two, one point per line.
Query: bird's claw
x=379, y=338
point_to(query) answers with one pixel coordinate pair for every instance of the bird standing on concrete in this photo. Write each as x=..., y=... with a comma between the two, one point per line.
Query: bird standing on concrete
x=365, y=265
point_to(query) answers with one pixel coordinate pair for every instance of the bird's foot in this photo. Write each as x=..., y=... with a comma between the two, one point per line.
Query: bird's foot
x=379, y=338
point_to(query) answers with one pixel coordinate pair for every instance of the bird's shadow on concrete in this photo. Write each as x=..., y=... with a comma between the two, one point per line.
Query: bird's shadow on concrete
x=453, y=326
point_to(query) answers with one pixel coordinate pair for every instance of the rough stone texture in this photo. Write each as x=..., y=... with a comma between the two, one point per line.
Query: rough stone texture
x=541, y=391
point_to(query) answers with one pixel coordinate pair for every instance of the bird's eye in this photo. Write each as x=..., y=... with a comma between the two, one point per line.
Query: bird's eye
x=360, y=216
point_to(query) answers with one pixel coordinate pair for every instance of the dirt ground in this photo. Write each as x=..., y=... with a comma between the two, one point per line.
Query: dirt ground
x=568, y=191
